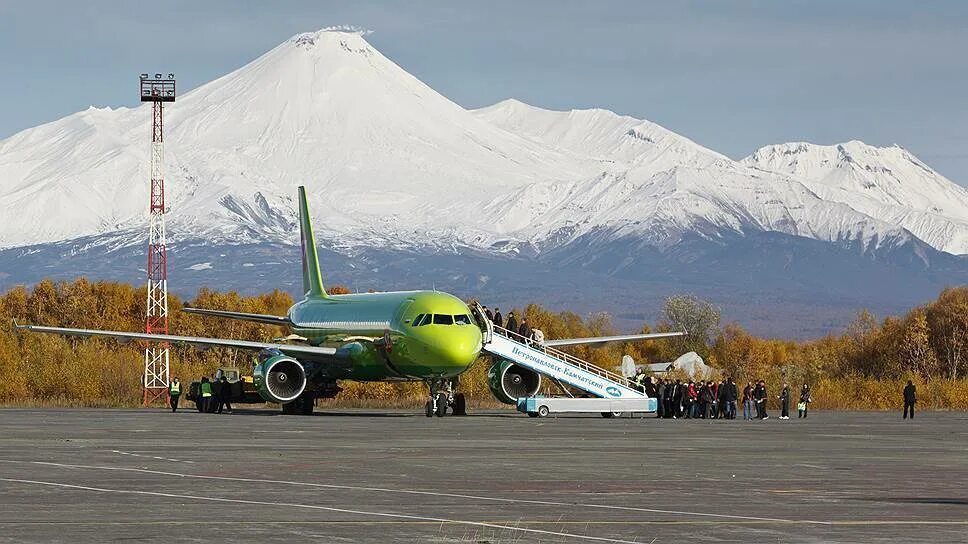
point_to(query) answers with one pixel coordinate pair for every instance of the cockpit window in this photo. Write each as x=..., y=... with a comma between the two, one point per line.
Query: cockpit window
x=441, y=319
x=416, y=321
x=426, y=320
x=462, y=319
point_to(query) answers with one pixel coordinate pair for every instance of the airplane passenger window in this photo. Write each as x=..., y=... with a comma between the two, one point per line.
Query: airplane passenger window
x=416, y=321
x=462, y=319
x=441, y=319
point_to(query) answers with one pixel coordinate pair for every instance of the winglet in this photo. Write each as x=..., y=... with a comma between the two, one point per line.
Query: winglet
x=312, y=279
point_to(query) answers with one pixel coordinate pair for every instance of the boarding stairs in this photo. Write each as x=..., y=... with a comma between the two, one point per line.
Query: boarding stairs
x=557, y=365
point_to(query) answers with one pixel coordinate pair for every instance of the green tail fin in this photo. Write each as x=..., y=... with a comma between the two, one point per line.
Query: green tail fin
x=312, y=279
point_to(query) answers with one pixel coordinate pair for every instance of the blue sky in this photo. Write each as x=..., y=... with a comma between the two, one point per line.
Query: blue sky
x=732, y=75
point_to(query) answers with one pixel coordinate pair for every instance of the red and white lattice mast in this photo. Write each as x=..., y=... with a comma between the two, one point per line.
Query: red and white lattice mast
x=157, y=90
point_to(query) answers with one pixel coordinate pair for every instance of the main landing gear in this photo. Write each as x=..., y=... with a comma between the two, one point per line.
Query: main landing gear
x=442, y=396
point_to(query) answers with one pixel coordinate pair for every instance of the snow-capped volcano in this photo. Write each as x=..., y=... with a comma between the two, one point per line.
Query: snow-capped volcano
x=888, y=183
x=385, y=157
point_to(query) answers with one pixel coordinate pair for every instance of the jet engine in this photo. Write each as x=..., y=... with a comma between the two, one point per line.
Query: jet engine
x=509, y=381
x=279, y=378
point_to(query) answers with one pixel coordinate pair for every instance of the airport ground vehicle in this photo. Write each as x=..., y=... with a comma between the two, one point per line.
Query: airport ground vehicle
x=608, y=407
x=243, y=389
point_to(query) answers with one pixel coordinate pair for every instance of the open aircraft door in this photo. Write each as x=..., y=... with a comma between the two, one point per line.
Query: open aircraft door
x=487, y=328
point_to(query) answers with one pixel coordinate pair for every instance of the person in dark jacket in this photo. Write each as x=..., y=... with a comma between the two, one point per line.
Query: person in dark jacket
x=498, y=318
x=669, y=393
x=730, y=398
x=804, y=401
x=748, y=402
x=910, y=397
x=512, y=323
x=785, y=402
x=691, y=400
x=224, y=394
x=524, y=330
x=489, y=314
x=678, y=391
x=759, y=397
x=706, y=396
x=660, y=394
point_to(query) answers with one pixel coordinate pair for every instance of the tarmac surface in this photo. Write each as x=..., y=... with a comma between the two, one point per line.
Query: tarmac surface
x=496, y=477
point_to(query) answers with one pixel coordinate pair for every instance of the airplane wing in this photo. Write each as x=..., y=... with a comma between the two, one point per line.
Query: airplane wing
x=258, y=318
x=313, y=352
x=620, y=338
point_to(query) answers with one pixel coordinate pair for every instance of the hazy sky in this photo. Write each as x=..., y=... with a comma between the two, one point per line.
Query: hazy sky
x=731, y=75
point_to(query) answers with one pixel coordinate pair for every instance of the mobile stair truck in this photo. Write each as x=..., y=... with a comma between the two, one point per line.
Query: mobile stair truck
x=610, y=394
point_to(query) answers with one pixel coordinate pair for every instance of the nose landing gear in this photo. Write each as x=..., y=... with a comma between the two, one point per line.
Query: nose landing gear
x=442, y=397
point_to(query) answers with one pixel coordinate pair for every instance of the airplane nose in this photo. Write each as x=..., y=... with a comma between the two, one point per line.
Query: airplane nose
x=462, y=349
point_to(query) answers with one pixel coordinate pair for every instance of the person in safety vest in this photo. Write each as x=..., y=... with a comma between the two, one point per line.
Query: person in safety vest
x=205, y=389
x=174, y=392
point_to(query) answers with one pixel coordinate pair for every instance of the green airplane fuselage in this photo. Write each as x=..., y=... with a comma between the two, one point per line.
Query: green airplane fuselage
x=384, y=337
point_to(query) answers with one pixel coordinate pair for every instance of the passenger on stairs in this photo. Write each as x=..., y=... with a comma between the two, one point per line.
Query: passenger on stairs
x=498, y=318
x=525, y=331
x=489, y=313
x=512, y=323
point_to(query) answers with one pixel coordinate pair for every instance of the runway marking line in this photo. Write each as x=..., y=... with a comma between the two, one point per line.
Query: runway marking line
x=419, y=492
x=128, y=453
x=318, y=507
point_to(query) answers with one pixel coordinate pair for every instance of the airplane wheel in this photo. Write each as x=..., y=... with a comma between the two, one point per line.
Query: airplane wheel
x=532, y=414
x=608, y=415
x=428, y=409
x=460, y=405
x=441, y=404
x=289, y=408
x=198, y=406
x=306, y=405
x=543, y=411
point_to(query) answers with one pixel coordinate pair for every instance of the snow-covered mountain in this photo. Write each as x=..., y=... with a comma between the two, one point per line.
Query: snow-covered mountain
x=888, y=183
x=490, y=202
x=389, y=161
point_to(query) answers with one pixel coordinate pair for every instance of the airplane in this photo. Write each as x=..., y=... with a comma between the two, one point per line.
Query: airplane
x=427, y=336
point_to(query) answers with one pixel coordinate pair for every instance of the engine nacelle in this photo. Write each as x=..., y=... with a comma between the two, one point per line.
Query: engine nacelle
x=509, y=381
x=279, y=378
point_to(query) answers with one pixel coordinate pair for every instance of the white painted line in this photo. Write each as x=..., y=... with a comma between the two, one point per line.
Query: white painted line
x=150, y=456
x=317, y=507
x=431, y=493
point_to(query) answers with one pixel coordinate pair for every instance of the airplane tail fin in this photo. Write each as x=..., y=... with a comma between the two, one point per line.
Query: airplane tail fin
x=312, y=279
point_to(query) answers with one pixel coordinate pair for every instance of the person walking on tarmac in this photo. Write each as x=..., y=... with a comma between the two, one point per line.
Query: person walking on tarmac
x=205, y=394
x=804, y=401
x=512, y=323
x=760, y=396
x=224, y=392
x=785, y=402
x=748, y=402
x=174, y=392
x=910, y=397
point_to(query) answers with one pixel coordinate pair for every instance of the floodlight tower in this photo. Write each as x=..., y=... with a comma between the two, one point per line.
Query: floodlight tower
x=157, y=90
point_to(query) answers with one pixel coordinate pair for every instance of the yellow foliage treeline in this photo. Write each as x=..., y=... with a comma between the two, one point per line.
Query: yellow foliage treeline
x=865, y=367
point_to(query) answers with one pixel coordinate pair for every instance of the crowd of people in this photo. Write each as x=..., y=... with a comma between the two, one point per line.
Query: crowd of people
x=717, y=400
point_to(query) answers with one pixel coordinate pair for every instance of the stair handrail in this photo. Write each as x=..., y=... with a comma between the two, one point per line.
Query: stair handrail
x=570, y=359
